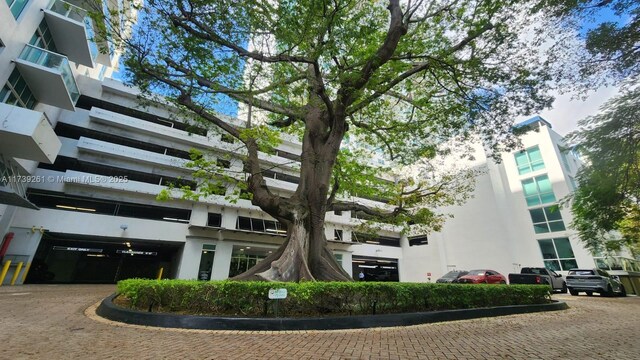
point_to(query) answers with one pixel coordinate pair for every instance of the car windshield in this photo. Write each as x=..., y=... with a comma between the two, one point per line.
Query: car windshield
x=451, y=275
x=581, y=272
x=477, y=272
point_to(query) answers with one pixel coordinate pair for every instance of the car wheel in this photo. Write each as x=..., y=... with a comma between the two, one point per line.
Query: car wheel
x=573, y=292
x=564, y=288
x=589, y=293
x=623, y=291
x=609, y=291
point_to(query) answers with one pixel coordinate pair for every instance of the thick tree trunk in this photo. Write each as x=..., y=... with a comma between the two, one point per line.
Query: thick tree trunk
x=304, y=255
x=294, y=261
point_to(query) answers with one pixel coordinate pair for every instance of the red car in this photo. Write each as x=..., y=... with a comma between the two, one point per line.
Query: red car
x=483, y=277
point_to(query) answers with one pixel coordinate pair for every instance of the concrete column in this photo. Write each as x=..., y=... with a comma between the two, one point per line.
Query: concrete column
x=229, y=218
x=190, y=260
x=222, y=261
x=199, y=215
x=347, y=262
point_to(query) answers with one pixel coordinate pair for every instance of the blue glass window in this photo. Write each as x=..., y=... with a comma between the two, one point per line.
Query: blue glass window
x=529, y=160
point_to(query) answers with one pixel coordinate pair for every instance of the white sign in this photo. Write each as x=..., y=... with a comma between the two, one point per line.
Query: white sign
x=275, y=294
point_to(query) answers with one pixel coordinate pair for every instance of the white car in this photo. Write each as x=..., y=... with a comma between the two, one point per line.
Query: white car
x=594, y=280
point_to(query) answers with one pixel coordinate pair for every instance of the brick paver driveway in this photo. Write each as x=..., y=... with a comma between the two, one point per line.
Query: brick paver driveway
x=52, y=322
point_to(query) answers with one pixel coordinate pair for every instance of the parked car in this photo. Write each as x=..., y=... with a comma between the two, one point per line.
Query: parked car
x=594, y=280
x=452, y=276
x=541, y=276
x=483, y=277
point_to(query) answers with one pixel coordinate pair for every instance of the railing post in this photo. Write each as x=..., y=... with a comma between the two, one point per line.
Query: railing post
x=26, y=271
x=3, y=273
x=16, y=273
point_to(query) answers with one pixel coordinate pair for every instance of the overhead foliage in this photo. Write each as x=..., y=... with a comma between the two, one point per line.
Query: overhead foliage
x=355, y=81
x=606, y=205
x=610, y=48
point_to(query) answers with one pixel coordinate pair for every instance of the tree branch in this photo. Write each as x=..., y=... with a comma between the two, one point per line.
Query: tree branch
x=247, y=99
x=206, y=33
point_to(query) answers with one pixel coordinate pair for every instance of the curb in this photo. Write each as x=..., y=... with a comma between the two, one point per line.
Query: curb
x=109, y=310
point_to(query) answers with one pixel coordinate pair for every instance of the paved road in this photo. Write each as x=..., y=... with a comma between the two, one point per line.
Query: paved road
x=58, y=322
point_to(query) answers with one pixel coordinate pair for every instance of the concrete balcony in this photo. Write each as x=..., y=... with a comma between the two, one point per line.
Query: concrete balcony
x=72, y=30
x=13, y=185
x=49, y=77
x=27, y=134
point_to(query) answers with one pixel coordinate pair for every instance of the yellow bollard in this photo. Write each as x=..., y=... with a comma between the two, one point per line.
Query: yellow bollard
x=26, y=271
x=3, y=273
x=160, y=273
x=16, y=273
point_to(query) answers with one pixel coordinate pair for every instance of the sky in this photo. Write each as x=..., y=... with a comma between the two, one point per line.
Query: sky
x=566, y=111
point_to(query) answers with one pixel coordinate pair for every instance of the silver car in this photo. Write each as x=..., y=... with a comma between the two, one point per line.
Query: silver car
x=594, y=280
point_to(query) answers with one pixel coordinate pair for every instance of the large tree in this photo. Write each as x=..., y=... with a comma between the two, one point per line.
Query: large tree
x=606, y=205
x=400, y=78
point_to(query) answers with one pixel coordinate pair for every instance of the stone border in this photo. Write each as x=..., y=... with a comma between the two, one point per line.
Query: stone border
x=109, y=310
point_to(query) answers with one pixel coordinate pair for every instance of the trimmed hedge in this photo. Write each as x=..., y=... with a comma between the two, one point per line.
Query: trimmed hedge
x=317, y=299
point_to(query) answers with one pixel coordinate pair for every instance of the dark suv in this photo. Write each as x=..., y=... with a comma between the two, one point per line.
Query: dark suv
x=452, y=276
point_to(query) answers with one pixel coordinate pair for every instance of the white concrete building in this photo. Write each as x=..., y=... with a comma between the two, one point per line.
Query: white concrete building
x=92, y=161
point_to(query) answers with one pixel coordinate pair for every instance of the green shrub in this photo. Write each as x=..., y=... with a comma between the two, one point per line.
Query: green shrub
x=250, y=299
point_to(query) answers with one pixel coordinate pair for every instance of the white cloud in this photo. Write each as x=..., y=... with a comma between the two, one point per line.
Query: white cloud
x=567, y=110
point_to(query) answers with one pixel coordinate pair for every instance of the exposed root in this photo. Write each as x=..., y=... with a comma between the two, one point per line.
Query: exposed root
x=289, y=263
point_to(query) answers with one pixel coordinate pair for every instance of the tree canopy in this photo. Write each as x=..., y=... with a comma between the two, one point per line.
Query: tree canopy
x=353, y=80
x=607, y=33
x=606, y=205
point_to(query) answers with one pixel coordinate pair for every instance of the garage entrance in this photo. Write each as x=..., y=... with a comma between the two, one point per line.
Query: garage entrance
x=69, y=259
x=375, y=269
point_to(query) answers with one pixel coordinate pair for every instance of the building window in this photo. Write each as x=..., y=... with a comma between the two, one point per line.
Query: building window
x=223, y=163
x=418, y=240
x=529, y=160
x=16, y=92
x=242, y=262
x=42, y=38
x=538, y=190
x=547, y=219
x=214, y=220
x=337, y=235
x=557, y=254
x=259, y=225
x=16, y=7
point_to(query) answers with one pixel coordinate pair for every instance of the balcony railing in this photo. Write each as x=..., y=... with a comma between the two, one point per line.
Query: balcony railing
x=72, y=30
x=8, y=174
x=55, y=62
x=68, y=10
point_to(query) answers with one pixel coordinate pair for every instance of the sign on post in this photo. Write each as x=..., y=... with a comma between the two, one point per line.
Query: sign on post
x=276, y=294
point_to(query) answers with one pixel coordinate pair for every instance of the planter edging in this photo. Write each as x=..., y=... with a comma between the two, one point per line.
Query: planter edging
x=109, y=310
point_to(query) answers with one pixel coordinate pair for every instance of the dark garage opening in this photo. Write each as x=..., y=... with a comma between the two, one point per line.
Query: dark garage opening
x=79, y=259
x=375, y=269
